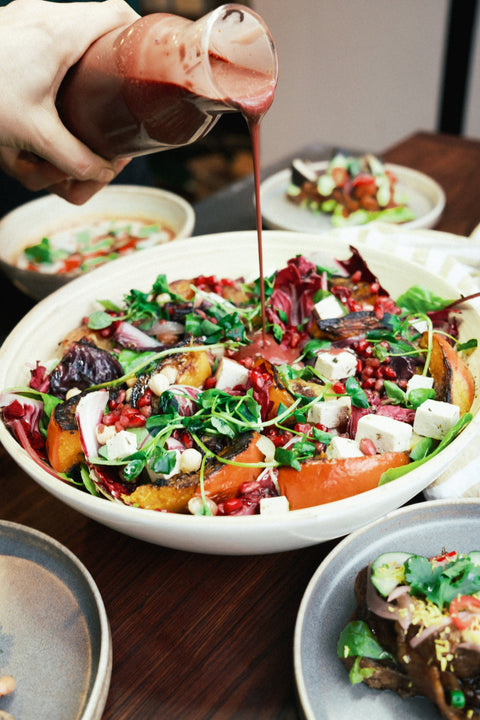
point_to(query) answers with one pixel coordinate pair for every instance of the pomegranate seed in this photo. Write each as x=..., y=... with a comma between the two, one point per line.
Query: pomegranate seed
x=233, y=505
x=389, y=373
x=357, y=276
x=338, y=388
x=374, y=288
x=304, y=428
x=361, y=346
x=369, y=384
x=145, y=399
x=367, y=446
x=359, y=366
x=378, y=385
x=368, y=372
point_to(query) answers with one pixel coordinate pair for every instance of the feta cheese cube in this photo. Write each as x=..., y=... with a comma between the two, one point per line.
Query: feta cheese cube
x=336, y=364
x=121, y=445
x=230, y=373
x=328, y=307
x=435, y=418
x=274, y=505
x=331, y=413
x=386, y=433
x=420, y=326
x=418, y=382
x=340, y=448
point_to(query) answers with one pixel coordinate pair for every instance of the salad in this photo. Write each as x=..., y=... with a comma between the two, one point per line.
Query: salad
x=353, y=190
x=416, y=629
x=79, y=249
x=193, y=397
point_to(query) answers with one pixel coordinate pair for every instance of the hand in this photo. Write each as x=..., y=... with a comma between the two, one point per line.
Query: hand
x=39, y=41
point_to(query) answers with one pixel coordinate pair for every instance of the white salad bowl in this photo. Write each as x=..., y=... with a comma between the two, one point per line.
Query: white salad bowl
x=225, y=255
x=29, y=223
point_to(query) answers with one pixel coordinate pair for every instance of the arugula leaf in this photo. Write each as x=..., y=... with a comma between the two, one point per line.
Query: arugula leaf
x=163, y=461
x=293, y=457
x=417, y=396
x=87, y=481
x=312, y=347
x=43, y=252
x=134, y=467
x=357, y=394
x=99, y=320
x=419, y=299
x=394, y=473
x=467, y=345
x=357, y=640
x=422, y=448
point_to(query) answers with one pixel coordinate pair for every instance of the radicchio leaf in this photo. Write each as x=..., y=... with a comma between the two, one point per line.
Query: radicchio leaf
x=84, y=364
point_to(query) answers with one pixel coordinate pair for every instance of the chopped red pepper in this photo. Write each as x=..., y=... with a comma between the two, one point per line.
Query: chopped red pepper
x=463, y=610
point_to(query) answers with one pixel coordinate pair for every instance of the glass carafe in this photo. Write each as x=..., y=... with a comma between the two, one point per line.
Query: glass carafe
x=163, y=81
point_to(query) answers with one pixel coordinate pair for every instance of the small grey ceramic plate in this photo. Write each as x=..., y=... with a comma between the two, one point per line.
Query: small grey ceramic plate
x=323, y=687
x=54, y=632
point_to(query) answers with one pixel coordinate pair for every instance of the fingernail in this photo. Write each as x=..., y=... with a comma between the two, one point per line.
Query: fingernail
x=105, y=176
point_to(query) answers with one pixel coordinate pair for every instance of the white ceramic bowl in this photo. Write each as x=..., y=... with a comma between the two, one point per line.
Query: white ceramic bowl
x=227, y=255
x=29, y=223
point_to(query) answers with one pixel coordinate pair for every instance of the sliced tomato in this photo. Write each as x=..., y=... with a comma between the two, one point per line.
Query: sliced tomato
x=464, y=610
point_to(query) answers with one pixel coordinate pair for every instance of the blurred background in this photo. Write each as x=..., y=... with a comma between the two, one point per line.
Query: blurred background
x=359, y=74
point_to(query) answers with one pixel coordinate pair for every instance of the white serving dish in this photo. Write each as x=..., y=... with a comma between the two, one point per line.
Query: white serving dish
x=227, y=255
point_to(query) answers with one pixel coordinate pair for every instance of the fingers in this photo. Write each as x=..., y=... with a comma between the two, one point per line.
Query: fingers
x=36, y=174
x=75, y=191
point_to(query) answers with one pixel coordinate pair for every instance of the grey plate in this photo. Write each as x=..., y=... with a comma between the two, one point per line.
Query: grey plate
x=54, y=633
x=324, y=689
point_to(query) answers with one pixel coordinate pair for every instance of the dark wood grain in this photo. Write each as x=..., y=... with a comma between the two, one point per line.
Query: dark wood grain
x=452, y=161
x=199, y=637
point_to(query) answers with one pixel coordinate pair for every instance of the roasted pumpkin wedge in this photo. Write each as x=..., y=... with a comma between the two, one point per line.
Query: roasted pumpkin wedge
x=221, y=480
x=63, y=446
x=323, y=481
x=452, y=379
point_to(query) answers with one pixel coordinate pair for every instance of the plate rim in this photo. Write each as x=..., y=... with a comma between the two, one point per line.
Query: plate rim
x=342, y=547
x=100, y=684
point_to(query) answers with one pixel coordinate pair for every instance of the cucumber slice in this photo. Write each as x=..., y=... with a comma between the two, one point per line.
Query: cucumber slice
x=474, y=556
x=388, y=572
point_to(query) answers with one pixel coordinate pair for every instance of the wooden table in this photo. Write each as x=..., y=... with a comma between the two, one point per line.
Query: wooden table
x=200, y=637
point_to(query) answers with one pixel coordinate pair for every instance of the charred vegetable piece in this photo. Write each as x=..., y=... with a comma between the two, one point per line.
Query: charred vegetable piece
x=221, y=480
x=351, y=325
x=63, y=446
x=453, y=380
